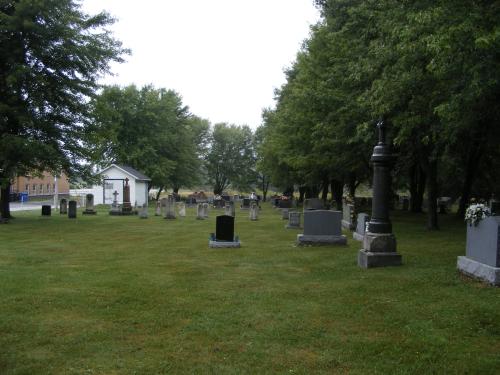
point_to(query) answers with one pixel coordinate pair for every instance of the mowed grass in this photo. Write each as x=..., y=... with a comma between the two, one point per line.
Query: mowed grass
x=121, y=295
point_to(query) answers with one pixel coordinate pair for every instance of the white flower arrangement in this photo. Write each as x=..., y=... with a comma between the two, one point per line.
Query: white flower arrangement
x=475, y=213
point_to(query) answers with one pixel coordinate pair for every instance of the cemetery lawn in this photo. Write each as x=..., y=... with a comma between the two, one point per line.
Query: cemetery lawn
x=121, y=295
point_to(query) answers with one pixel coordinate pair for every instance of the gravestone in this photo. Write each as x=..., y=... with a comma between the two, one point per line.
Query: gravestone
x=72, y=210
x=115, y=207
x=313, y=204
x=294, y=220
x=379, y=243
x=205, y=210
x=347, y=216
x=46, y=210
x=245, y=205
x=158, y=208
x=284, y=213
x=170, y=208
x=219, y=203
x=89, y=205
x=359, y=233
x=322, y=227
x=254, y=211
x=482, y=254
x=226, y=198
x=143, y=214
x=63, y=207
x=229, y=209
x=224, y=233
x=126, y=207
x=200, y=212
x=285, y=203
x=163, y=204
x=181, y=209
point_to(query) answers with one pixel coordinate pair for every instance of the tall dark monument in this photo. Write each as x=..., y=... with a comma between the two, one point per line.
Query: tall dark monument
x=127, y=206
x=379, y=244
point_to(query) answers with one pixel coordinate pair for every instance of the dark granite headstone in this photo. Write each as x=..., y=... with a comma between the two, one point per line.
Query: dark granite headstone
x=46, y=210
x=322, y=223
x=224, y=228
x=72, y=209
x=245, y=203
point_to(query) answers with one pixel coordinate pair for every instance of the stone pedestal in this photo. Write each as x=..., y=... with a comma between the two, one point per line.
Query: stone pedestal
x=479, y=270
x=379, y=250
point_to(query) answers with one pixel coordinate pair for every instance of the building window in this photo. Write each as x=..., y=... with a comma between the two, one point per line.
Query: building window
x=34, y=189
x=27, y=188
x=48, y=188
x=41, y=189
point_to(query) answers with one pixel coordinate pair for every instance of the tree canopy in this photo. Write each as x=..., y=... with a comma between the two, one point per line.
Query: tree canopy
x=51, y=56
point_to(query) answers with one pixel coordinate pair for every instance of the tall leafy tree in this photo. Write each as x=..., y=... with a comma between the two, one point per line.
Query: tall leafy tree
x=51, y=55
x=230, y=159
x=151, y=130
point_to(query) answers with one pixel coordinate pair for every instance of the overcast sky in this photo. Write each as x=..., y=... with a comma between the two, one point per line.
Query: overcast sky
x=224, y=57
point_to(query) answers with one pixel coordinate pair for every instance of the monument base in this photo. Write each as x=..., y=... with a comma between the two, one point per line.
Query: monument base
x=318, y=240
x=170, y=217
x=367, y=259
x=223, y=244
x=479, y=270
x=89, y=212
x=122, y=213
x=288, y=226
x=4, y=221
x=358, y=237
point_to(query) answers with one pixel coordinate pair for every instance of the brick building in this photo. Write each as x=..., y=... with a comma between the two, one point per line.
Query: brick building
x=43, y=186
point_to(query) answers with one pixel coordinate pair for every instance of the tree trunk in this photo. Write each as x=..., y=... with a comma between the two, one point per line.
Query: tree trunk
x=159, y=192
x=417, y=187
x=432, y=216
x=4, y=201
x=302, y=193
x=265, y=187
x=352, y=185
x=337, y=188
x=471, y=169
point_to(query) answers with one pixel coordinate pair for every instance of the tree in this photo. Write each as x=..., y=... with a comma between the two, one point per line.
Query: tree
x=230, y=160
x=151, y=130
x=51, y=55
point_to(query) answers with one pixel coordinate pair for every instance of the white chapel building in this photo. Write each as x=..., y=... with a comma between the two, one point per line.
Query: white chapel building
x=113, y=180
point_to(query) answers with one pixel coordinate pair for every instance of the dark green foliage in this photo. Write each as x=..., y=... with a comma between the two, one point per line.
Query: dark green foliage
x=51, y=55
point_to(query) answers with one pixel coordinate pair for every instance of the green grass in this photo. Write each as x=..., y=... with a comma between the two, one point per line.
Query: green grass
x=121, y=295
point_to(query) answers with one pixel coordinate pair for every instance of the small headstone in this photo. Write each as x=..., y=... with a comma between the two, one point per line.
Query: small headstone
x=143, y=214
x=158, y=208
x=294, y=220
x=405, y=201
x=359, y=233
x=254, y=211
x=224, y=233
x=482, y=254
x=229, y=209
x=170, y=208
x=72, y=210
x=89, y=205
x=205, y=210
x=348, y=216
x=63, y=207
x=200, y=212
x=313, y=204
x=182, y=209
x=46, y=210
x=284, y=213
x=322, y=227
x=245, y=205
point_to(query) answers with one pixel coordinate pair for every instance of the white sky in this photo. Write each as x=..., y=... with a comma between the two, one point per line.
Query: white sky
x=224, y=57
